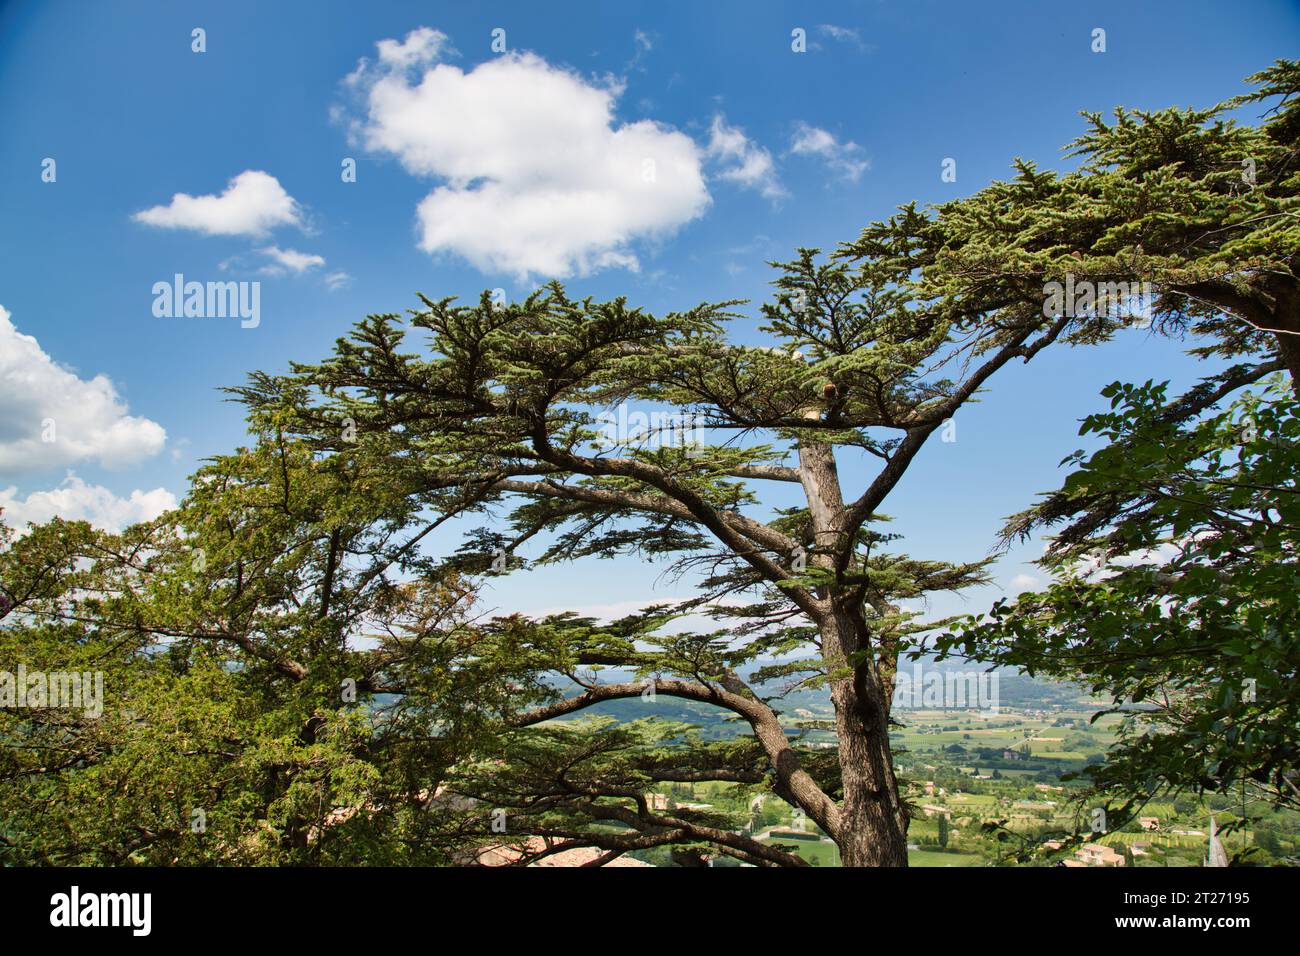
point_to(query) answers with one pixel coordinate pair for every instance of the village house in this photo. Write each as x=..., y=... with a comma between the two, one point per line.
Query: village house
x=1095, y=854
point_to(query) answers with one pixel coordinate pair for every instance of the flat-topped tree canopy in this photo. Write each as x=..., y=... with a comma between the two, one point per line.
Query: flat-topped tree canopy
x=1200, y=206
x=504, y=401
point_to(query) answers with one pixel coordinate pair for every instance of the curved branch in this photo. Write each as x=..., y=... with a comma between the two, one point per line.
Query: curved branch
x=791, y=776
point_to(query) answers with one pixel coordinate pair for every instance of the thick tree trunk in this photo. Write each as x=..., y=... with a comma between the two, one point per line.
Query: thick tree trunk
x=1273, y=307
x=873, y=826
x=1288, y=347
x=1285, y=322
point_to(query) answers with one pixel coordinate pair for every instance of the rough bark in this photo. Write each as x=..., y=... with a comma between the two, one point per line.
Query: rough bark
x=873, y=826
x=1288, y=347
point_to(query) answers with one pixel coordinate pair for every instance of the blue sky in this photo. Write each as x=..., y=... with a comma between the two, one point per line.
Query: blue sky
x=760, y=149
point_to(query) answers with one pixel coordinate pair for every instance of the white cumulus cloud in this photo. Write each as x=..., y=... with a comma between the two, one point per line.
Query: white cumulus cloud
x=1024, y=582
x=535, y=175
x=290, y=260
x=75, y=500
x=253, y=203
x=49, y=416
x=422, y=45
x=741, y=160
x=844, y=159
